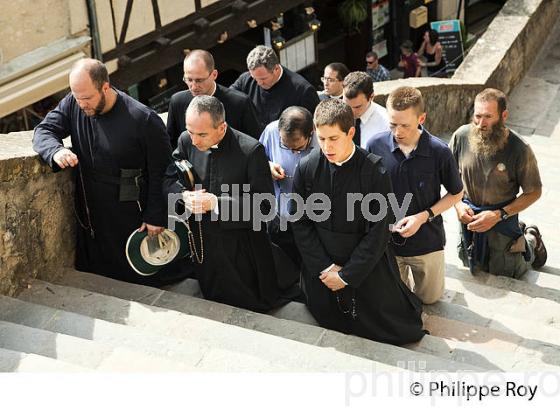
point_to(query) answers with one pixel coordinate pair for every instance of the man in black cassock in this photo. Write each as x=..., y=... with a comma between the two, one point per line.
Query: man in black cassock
x=272, y=87
x=351, y=278
x=200, y=76
x=234, y=261
x=121, y=150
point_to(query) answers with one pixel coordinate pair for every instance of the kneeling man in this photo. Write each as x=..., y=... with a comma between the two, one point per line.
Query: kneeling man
x=235, y=263
x=351, y=278
x=496, y=164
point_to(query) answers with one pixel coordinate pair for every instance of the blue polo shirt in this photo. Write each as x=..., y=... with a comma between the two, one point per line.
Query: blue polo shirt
x=288, y=159
x=427, y=168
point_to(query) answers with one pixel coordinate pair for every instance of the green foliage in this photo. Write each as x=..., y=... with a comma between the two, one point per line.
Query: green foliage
x=352, y=13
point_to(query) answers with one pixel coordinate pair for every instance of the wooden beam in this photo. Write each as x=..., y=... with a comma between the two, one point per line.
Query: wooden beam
x=124, y=28
x=147, y=60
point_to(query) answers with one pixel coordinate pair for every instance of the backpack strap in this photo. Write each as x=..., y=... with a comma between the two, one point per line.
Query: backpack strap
x=311, y=164
x=371, y=164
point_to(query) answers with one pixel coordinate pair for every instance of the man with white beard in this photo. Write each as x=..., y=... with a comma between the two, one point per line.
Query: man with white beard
x=494, y=163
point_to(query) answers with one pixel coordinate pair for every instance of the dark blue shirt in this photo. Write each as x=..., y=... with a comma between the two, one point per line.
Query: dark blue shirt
x=427, y=168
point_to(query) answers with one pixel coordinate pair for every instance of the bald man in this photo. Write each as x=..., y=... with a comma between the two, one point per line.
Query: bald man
x=120, y=149
x=200, y=77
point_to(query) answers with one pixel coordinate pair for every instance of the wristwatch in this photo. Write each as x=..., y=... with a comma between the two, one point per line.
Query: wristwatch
x=431, y=215
x=503, y=214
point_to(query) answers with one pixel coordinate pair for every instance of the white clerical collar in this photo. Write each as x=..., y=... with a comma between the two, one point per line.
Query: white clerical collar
x=337, y=96
x=214, y=91
x=281, y=73
x=369, y=113
x=347, y=159
x=216, y=146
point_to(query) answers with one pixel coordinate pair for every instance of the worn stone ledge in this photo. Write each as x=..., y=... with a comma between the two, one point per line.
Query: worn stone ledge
x=448, y=101
x=507, y=49
x=36, y=215
x=499, y=59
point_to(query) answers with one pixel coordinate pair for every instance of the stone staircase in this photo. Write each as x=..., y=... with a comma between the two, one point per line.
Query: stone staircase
x=84, y=322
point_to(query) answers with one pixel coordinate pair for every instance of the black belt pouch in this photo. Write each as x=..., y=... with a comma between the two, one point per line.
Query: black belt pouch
x=131, y=182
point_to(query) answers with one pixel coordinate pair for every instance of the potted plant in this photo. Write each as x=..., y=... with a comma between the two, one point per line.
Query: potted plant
x=353, y=13
x=354, y=16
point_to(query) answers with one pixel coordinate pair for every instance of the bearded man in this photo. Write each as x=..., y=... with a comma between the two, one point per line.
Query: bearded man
x=120, y=149
x=495, y=163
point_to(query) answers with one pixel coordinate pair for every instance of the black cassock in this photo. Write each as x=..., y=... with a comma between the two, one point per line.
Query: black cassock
x=238, y=266
x=240, y=112
x=291, y=89
x=129, y=136
x=376, y=304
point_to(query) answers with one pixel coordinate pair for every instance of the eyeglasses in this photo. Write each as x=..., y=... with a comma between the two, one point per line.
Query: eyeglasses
x=298, y=150
x=330, y=80
x=370, y=62
x=195, y=80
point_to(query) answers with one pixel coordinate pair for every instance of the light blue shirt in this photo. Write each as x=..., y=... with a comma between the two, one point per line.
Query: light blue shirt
x=287, y=159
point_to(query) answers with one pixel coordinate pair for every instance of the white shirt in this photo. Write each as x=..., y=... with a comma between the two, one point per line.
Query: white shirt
x=214, y=91
x=321, y=93
x=374, y=121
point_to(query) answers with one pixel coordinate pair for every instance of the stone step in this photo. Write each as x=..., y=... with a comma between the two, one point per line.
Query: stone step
x=286, y=329
x=464, y=291
x=483, y=347
x=533, y=284
x=486, y=347
x=189, y=354
x=279, y=353
x=522, y=352
x=14, y=361
x=82, y=352
x=532, y=332
x=464, y=324
x=487, y=300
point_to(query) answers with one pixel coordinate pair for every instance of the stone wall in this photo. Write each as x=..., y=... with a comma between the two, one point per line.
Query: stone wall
x=36, y=206
x=499, y=59
x=27, y=25
x=448, y=101
x=505, y=52
x=36, y=215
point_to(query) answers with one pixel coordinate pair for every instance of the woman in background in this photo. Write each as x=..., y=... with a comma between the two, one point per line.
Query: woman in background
x=431, y=48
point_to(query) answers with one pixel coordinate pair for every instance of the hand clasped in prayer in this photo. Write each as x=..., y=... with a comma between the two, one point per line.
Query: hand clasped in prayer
x=199, y=202
x=331, y=279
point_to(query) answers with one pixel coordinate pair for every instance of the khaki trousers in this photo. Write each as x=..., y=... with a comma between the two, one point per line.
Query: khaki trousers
x=424, y=275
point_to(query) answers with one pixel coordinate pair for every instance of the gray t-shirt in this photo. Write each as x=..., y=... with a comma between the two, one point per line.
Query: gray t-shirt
x=497, y=179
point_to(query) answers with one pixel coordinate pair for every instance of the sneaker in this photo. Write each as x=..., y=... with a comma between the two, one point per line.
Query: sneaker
x=540, y=250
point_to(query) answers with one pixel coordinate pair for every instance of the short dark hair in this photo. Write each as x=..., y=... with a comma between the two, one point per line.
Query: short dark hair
x=492, y=94
x=211, y=105
x=372, y=54
x=294, y=119
x=407, y=45
x=332, y=112
x=358, y=82
x=404, y=98
x=203, y=55
x=341, y=70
